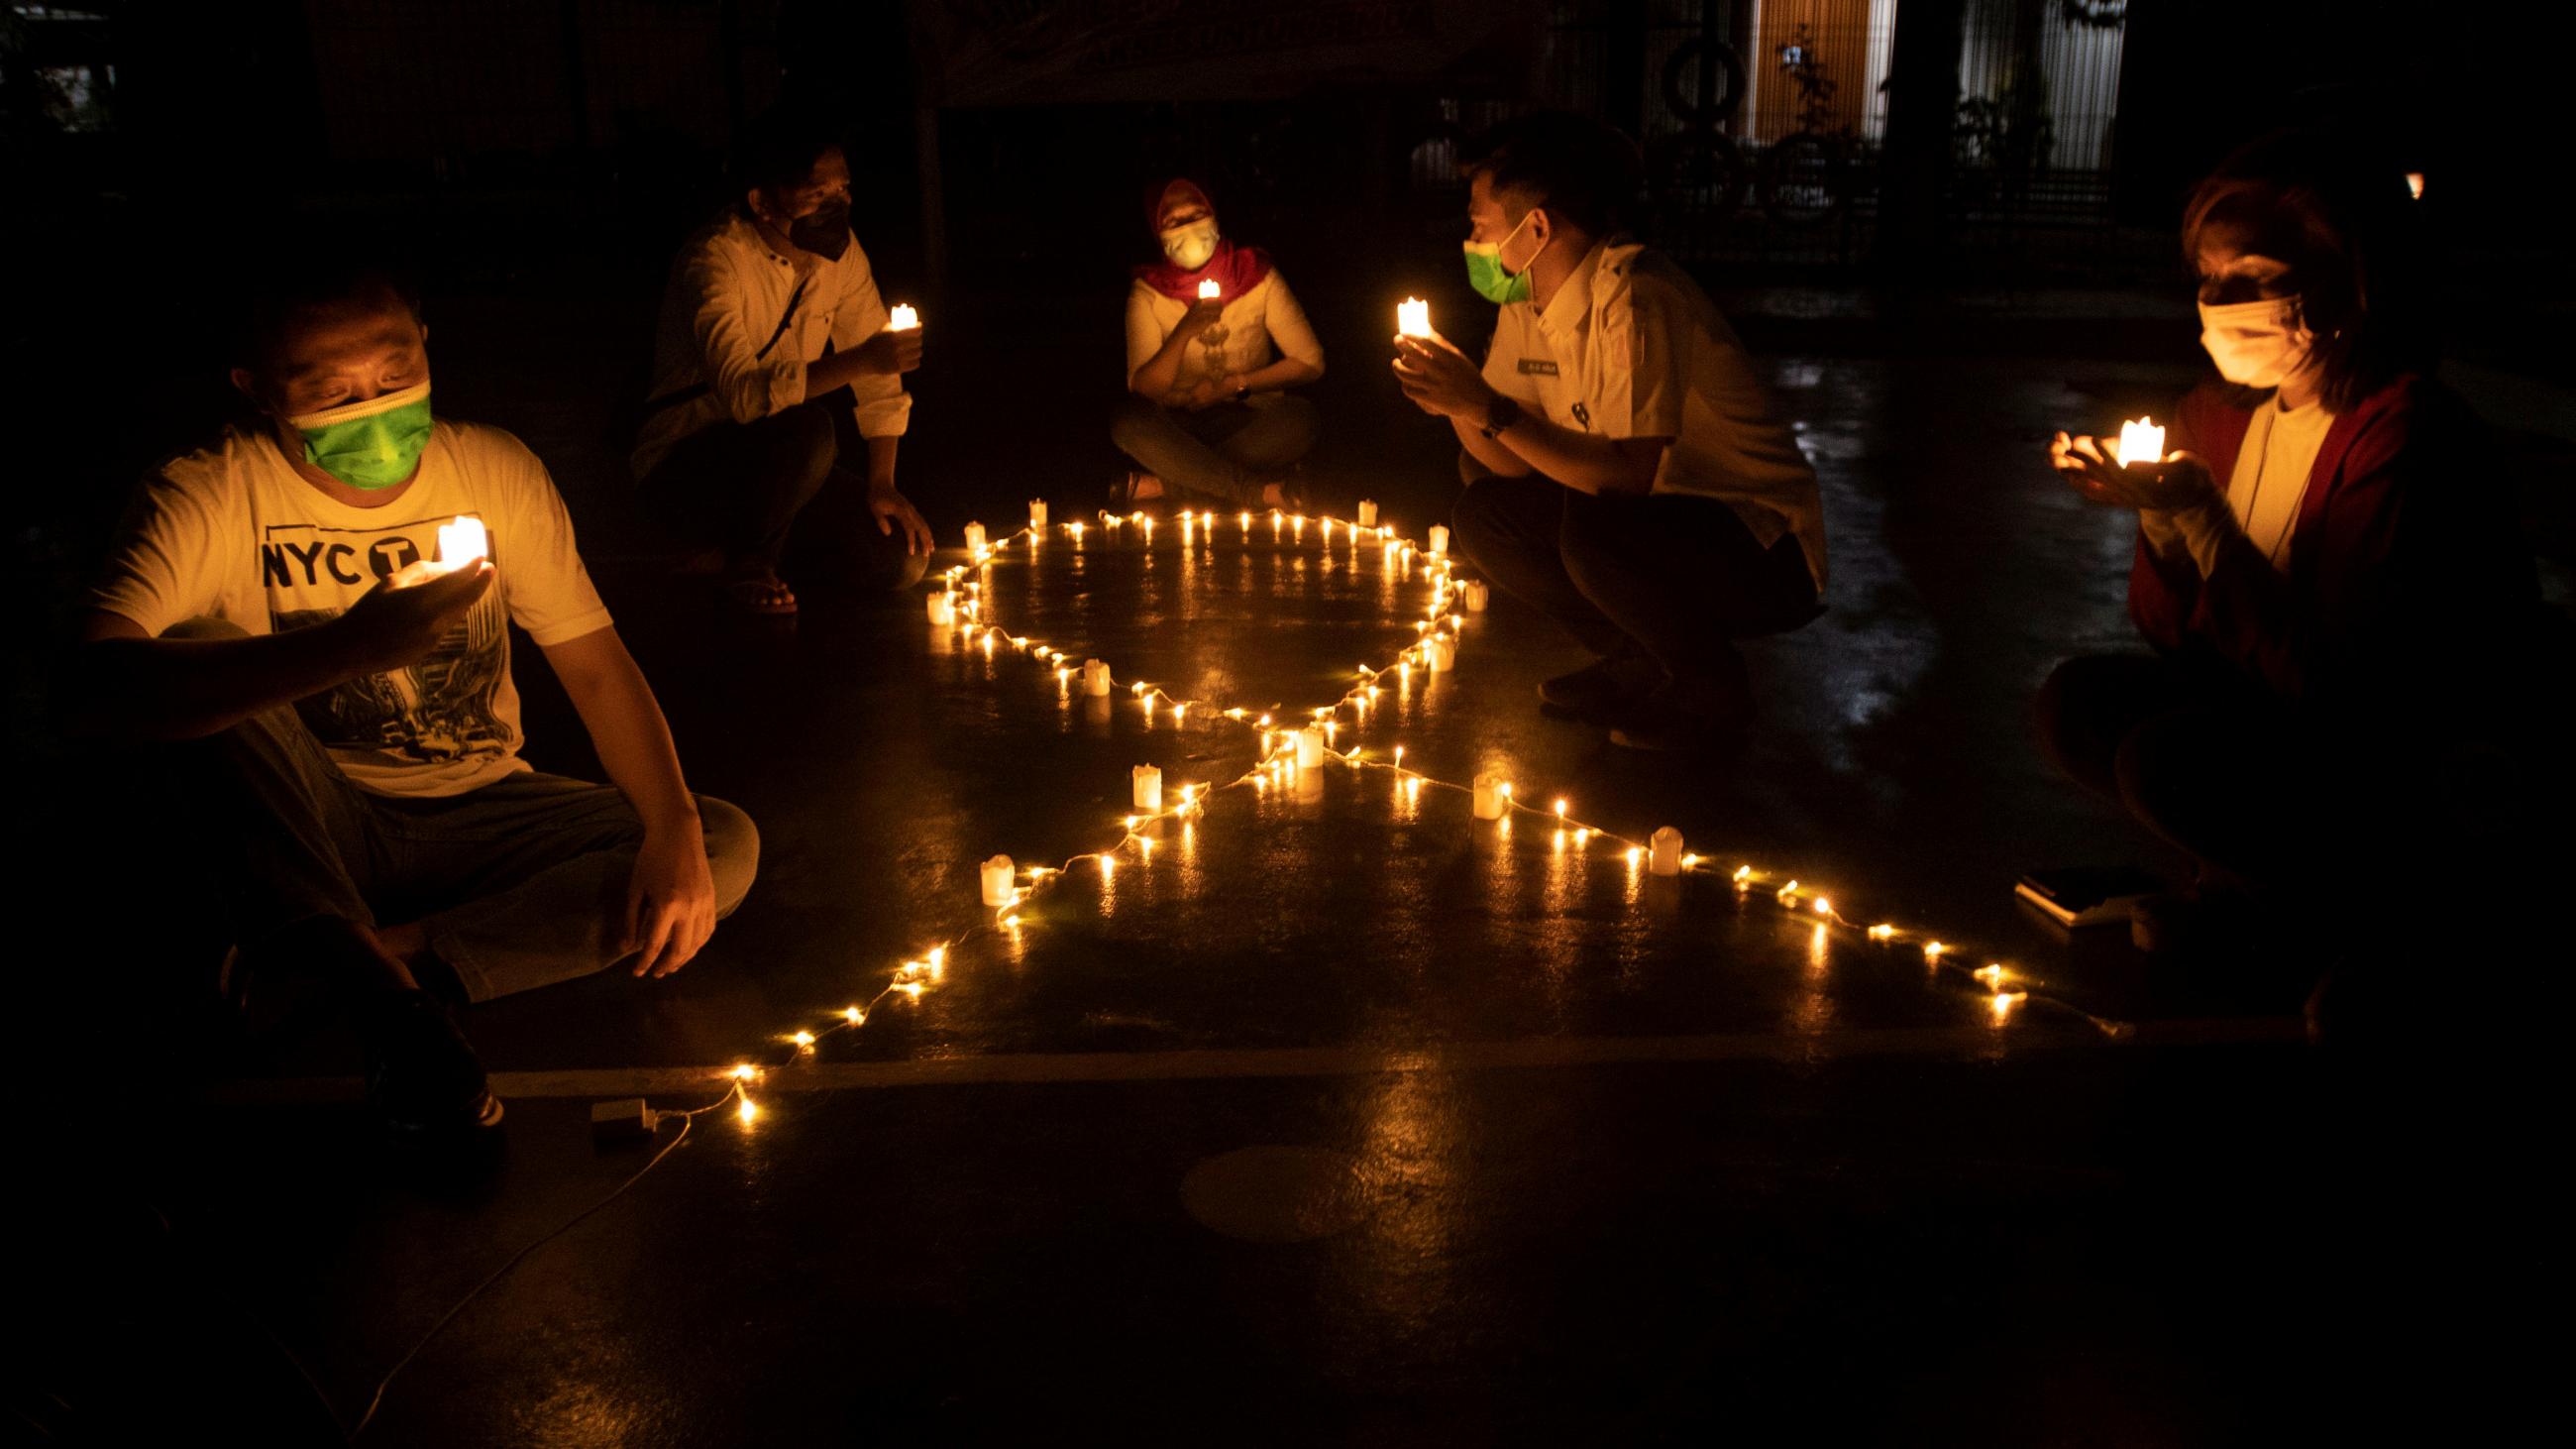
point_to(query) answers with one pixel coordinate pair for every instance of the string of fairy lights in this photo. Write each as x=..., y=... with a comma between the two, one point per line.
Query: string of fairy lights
x=1290, y=742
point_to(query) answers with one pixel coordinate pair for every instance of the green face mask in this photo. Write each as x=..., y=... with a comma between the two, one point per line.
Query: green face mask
x=1485, y=270
x=372, y=444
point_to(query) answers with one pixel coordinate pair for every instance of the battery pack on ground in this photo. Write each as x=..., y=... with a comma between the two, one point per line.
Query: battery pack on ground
x=622, y=1121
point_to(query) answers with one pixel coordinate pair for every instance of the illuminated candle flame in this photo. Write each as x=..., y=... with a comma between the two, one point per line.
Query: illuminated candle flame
x=461, y=542
x=1209, y=291
x=903, y=318
x=1413, y=317
x=2141, y=442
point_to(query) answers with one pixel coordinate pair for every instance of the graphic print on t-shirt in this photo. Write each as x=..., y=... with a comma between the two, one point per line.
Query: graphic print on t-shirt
x=437, y=711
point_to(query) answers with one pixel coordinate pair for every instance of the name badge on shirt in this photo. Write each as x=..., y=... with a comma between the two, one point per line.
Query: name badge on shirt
x=1538, y=367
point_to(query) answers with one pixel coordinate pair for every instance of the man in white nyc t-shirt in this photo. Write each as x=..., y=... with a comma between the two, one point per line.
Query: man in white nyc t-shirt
x=303, y=600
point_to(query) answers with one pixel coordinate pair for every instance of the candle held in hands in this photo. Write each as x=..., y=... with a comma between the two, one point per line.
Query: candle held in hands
x=1413, y=317
x=461, y=543
x=1209, y=291
x=2141, y=442
x=902, y=318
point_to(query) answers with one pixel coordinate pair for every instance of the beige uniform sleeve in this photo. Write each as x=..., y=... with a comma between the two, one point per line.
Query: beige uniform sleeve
x=1289, y=330
x=1648, y=335
x=884, y=408
x=164, y=567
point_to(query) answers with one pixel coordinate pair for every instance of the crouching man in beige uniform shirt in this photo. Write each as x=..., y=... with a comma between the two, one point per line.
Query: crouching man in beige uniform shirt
x=1627, y=472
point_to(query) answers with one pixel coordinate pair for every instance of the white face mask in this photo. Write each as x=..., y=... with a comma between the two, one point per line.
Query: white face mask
x=2255, y=344
x=1191, y=245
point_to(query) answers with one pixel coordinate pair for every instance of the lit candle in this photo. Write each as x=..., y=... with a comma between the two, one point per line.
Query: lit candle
x=1149, y=787
x=1310, y=747
x=1475, y=595
x=1664, y=851
x=461, y=543
x=943, y=608
x=999, y=881
x=1439, y=539
x=1037, y=515
x=1209, y=291
x=1413, y=317
x=1440, y=652
x=1095, y=677
x=1493, y=794
x=1368, y=513
x=2141, y=442
x=974, y=538
x=902, y=318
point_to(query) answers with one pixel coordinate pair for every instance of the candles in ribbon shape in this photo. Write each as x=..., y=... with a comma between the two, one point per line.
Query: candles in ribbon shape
x=1474, y=594
x=1095, y=678
x=1209, y=291
x=943, y=608
x=1440, y=651
x=974, y=538
x=1664, y=851
x=2141, y=442
x=1000, y=881
x=1439, y=539
x=1149, y=787
x=1368, y=513
x=1037, y=518
x=461, y=543
x=1413, y=317
x=1310, y=747
x=1493, y=796
x=902, y=318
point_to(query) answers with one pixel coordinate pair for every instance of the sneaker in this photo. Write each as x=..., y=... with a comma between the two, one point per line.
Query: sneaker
x=1598, y=689
x=423, y=1078
x=1672, y=719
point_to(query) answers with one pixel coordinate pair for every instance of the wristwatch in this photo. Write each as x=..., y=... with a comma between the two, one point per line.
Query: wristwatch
x=1501, y=413
x=1242, y=390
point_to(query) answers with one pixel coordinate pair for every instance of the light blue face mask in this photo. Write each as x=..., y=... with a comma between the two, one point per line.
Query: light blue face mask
x=372, y=444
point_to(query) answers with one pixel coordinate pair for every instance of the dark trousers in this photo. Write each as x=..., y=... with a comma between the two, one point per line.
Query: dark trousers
x=1677, y=580
x=1227, y=452
x=521, y=883
x=2227, y=776
x=740, y=487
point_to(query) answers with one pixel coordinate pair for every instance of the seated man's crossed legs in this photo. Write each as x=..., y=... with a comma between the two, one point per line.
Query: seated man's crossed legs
x=1236, y=455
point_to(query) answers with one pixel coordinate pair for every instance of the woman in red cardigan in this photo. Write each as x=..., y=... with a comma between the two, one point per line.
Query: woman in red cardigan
x=2327, y=565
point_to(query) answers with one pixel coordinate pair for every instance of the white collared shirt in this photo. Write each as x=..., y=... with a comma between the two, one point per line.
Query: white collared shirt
x=726, y=293
x=1630, y=347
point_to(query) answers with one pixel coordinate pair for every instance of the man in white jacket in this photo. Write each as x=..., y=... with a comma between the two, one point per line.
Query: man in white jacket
x=777, y=379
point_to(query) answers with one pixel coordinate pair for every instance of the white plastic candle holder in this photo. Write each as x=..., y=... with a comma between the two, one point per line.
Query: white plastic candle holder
x=1001, y=881
x=1493, y=796
x=1149, y=787
x=1664, y=851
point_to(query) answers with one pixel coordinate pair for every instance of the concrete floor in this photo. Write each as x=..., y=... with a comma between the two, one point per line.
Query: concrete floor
x=1345, y=1119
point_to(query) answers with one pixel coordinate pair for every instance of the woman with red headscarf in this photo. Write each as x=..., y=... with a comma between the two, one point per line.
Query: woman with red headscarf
x=1214, y=341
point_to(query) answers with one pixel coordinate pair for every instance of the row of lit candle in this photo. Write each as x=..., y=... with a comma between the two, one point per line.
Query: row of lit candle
x=1007, y=889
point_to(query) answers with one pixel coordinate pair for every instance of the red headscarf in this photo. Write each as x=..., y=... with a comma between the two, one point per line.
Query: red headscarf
x=1237, y=270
